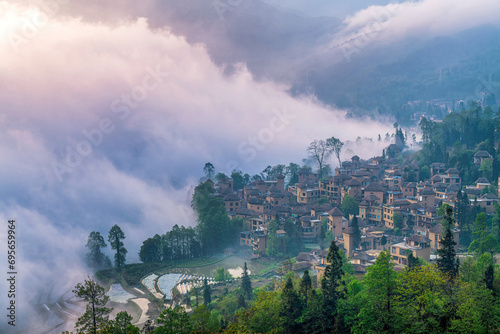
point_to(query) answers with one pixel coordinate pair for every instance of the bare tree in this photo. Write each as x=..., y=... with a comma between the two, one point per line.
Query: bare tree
x=335, y=145
x=319, y=151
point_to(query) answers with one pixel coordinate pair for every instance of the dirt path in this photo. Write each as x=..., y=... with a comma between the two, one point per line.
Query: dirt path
x=143, y=304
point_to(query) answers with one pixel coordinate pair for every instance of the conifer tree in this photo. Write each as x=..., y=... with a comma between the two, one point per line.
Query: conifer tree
x=356, y=237
x=207, y=292
x=305, y=285
x=291, y=308
x=447, y=261
x=115, y=238
x=246, y=283
x=331, y=285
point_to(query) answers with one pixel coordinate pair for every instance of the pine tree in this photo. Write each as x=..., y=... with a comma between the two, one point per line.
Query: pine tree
x=241, y=301
x=96, y=313
x=331, y=285
x=246, y=283
x=305, y=285
x=115, y=238
x=291, y=308
x=356, y=237
x=95, y=258
x=207, y=293
x=462, y=216
x=447, y=261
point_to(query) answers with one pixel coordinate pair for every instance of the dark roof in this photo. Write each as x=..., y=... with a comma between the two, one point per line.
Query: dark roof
x=419, y=238
x=304, y=257
x=354, y=183
x=489, y=196
x=335, y=212
x=375, y=186
x=482, y=180
x=437, y=229
x=452, y=171
x=372, y=198
x=436, y=178
x=482, y=154
x=363, y=256
x=231, y=197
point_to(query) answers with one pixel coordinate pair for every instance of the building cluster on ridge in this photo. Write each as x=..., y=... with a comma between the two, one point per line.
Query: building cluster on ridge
x=383, y=188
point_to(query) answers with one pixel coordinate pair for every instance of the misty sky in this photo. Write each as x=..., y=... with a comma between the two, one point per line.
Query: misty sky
x=109, y=120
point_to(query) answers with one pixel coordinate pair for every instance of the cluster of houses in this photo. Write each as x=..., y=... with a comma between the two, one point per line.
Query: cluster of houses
x=393, y=213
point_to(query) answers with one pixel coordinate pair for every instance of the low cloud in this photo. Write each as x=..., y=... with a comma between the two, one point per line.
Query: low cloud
x=107, y=124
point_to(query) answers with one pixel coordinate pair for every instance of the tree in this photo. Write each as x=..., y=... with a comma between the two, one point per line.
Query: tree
x=272, y=239
x=319, y=151
x=424, y=299
x=305, y=285
x=96, y=313
x=349, y=206
x=122, y=324
x=331, y=284
x=207, y=292
x=383, y=241
x=151, y=250
x=173, y=321
x=291, y=308
x=335, y=145
x=209, y=170
x=95, y=258
x=413, y=261
x=221, y=274
x=246, y=283
x=115, y=238
x=447, y=261
x=377, y=314
x=356, y=237
x=462, y=216
x=483, y=241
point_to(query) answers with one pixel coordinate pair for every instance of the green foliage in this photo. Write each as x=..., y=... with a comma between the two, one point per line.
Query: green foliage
x=209, y=170
x=291, y=309
x=263, y=316
x=173, y=321
x=115, y=238
x=96, y=313
x=95, y=258
x=332, y=284
x=272, y=248
x=447, y=261
x=221, y=275
x=207, y=292
x=246, y=283
x=335, y=145
x=349, y=206
x=215, y=230
x=482, y=240
x=423, y=297
x=381, y=282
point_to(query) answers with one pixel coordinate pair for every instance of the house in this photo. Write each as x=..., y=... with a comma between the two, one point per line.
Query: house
x=417, y=245
x=336, y=222
x=435, y=234
x=481, y=156
x=486, y=202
